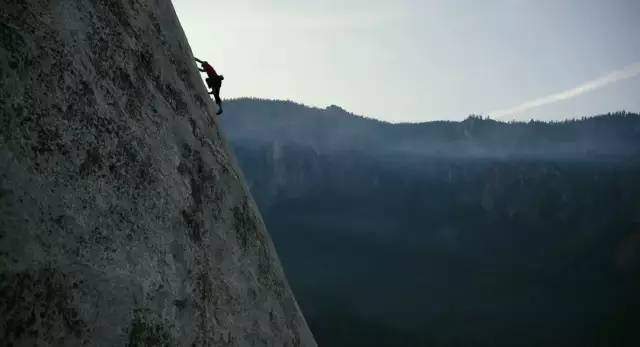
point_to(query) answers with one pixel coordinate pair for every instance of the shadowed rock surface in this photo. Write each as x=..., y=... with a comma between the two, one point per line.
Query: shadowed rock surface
x=123, y=218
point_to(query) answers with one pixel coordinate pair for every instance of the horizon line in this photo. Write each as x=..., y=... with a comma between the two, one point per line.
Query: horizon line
x=478, y=116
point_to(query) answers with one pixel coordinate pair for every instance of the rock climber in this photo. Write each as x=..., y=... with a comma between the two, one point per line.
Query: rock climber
x=214, y=81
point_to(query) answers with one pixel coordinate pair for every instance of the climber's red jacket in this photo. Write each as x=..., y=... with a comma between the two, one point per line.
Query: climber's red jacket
x=211, y=72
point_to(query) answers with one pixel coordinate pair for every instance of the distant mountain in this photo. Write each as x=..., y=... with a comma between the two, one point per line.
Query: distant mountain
x=334, y=129
x=472, y=233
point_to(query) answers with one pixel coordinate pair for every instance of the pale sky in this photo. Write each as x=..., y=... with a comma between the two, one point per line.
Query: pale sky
x=421, y=60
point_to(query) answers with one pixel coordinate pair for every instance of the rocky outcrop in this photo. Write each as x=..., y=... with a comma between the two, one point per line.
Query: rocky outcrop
x=123, y=218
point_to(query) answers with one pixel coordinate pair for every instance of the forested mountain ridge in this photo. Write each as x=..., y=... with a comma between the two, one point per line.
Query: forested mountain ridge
x=333, y=128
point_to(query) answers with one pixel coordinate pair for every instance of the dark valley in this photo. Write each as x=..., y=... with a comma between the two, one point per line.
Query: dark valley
x=472, y=233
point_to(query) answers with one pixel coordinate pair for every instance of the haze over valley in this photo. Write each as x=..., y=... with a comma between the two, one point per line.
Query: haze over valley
x=472, y=233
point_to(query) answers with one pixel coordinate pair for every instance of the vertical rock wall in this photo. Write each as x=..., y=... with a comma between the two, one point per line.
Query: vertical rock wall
x=123, y=218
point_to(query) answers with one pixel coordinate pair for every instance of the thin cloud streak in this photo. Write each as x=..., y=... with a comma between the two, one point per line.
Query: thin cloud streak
x=627, y=72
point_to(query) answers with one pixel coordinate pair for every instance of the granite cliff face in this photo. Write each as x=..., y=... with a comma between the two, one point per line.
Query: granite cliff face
x=123, y=217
